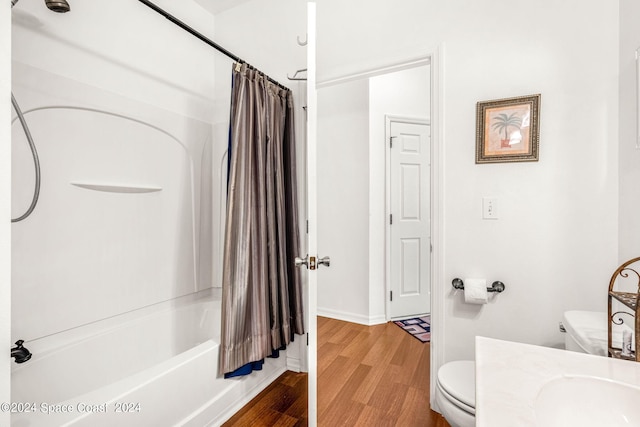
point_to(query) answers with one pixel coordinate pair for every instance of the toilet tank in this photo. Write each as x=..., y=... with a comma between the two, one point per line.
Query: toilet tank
x=587, y=332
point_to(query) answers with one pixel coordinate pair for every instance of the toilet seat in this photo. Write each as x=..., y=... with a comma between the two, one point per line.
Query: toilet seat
x=456, y=381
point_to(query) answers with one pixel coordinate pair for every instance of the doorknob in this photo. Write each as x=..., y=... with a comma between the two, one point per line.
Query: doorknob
x=312, y=262
x=326, y=261
x=302, y=261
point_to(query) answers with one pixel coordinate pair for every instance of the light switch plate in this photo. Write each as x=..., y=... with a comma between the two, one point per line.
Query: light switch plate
x=489, y=208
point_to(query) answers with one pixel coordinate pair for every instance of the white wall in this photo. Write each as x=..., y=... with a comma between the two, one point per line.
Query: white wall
x=629, y=155
x=343, y=179
x=264, y=33
x=5, y=209
x=555, y=243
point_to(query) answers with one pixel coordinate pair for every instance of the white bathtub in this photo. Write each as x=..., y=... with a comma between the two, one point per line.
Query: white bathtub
x=153, y=367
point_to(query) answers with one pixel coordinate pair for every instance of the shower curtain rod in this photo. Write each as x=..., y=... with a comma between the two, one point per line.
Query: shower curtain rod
x=207, y=40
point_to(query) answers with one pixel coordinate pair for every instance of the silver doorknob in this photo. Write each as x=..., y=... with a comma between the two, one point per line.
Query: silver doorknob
x=302, y=261
x=326, y=261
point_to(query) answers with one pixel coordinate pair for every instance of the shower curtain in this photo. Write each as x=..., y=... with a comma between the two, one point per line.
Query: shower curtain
x=261, y=289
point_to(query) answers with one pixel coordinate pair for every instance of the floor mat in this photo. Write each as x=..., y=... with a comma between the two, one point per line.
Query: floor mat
x=419, y=327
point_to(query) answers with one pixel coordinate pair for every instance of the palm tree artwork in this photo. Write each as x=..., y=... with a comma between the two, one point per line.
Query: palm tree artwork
x=502, y=123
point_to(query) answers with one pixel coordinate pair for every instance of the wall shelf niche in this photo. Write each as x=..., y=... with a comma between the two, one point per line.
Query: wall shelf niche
x=110, y=188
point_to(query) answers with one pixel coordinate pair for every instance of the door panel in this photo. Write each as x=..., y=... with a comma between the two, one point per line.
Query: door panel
x=409, y=176
x=410, y=259
x=410, y=192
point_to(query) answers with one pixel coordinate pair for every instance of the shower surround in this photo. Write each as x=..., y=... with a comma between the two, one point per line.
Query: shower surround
x=114, y=284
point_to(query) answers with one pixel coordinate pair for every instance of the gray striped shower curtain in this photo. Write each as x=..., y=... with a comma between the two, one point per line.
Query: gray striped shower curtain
x=261, y=290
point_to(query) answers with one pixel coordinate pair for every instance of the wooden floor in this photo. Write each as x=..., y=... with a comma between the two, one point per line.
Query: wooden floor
x=282, y=403
x=367, y=376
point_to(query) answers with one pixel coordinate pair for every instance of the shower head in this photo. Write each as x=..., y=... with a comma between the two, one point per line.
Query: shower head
x=59, y=6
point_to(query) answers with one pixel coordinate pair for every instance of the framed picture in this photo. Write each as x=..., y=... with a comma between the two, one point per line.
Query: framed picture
x=507, y=130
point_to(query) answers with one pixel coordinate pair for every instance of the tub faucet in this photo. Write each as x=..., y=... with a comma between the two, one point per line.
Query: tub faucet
x=20, y=353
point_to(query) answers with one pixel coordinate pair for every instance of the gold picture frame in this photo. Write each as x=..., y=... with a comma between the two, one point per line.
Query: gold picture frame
x=507, y=130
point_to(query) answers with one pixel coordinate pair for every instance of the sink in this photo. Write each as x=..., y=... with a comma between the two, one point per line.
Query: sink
x=575, y=400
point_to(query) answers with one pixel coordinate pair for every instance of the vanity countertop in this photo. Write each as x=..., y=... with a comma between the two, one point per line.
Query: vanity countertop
x=510, y=375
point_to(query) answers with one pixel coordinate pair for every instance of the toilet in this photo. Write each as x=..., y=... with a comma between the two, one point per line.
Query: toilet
x=456, y=393
x=587, y=332
x=455, y=384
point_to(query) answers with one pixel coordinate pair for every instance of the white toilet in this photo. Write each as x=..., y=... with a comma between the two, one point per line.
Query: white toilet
x=587, y=332
x=455, y=384
x=456, y=392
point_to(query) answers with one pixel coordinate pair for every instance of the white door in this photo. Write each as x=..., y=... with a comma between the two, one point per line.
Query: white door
x=409, y=219
x=312, y=235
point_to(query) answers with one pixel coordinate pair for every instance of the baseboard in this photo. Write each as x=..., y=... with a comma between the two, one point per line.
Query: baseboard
x=297, y=354
x=351, y=317
x=377, y=320
x=293, y=364
x=240, y=391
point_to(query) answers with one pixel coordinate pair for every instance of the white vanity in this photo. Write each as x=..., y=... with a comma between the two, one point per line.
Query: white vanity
x=529, y=386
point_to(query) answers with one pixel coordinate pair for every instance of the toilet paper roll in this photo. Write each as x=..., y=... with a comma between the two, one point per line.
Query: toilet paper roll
x=475, y=291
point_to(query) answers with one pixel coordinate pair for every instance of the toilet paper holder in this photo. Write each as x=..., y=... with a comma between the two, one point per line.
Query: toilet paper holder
x=495, y=286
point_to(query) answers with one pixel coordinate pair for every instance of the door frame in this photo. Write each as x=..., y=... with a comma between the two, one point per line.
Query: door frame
x=388, y=120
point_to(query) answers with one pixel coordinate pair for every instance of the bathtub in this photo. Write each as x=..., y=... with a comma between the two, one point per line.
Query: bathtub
x=152, y=367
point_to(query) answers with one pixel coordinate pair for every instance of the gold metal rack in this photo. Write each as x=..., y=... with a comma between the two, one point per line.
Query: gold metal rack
x=629, y=300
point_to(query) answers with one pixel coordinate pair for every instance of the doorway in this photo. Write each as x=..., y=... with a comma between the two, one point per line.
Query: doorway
x=352, y=194
x=352, y=159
